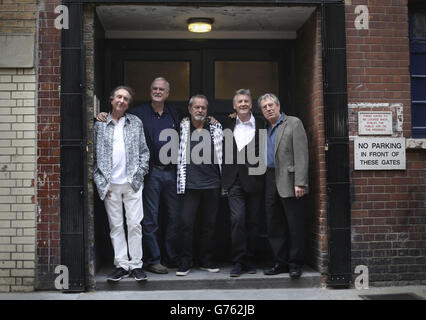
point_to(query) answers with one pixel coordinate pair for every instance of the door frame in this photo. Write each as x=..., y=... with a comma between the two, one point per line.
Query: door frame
x=282, y=51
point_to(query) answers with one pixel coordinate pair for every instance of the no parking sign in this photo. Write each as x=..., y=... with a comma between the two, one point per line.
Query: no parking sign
x=379, y=153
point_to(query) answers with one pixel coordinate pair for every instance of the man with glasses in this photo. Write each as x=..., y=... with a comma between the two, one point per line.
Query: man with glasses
x=160, y=181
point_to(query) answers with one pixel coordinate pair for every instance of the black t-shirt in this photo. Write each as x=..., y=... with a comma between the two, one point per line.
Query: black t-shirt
x=204, y=175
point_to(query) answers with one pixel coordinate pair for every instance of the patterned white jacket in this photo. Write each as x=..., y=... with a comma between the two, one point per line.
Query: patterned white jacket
x=217, y=136
x=137, y=153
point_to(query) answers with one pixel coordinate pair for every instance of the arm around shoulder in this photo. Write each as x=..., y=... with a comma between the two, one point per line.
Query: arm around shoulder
x=143, y=148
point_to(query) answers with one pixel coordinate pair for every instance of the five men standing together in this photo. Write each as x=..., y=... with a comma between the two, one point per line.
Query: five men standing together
x=199, y=182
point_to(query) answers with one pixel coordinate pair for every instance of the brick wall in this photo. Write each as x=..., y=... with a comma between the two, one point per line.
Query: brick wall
x=310, y=105
x=17, y=156
x=48, y=150
x=18, y=16
x=388, y=207
x=17, y=171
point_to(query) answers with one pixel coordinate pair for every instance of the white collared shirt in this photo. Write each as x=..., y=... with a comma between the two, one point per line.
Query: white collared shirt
x=118, y=174
x=244, y=132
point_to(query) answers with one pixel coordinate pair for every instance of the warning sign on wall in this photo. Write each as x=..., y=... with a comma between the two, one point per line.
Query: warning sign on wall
x=375, y=123
x=379, y=153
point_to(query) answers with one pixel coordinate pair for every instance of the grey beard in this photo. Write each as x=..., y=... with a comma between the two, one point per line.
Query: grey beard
x=199, y=118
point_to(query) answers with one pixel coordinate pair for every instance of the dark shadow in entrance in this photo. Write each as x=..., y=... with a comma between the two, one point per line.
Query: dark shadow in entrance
x=104, y=252
x=115, y=53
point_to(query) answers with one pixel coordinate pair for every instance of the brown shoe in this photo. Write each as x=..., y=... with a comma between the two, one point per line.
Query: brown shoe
x=157, y=268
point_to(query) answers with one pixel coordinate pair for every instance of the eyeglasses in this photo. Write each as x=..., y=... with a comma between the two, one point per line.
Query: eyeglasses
x=158, y=88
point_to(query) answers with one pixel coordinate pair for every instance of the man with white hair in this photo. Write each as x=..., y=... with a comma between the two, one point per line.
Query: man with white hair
x=286, y=185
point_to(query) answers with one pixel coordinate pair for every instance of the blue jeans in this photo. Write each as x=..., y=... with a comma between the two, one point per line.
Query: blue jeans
x=159, y=182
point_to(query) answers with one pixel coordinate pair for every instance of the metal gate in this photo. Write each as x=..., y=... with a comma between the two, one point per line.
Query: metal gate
x=73, y=151
x=337, y=144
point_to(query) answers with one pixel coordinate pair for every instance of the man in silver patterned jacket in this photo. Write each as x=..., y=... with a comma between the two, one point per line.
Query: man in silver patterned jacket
x=121, y=162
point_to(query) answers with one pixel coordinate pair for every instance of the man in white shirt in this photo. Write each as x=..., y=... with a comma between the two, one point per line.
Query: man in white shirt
x=121, y=162
x=245, y=190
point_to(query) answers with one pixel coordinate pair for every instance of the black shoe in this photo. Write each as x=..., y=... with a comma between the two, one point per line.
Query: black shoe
x=117, y=275
x=295, y=273
x=139, y=275
x=182, y=271
x=237, y=270
x=210, y=268
x=277, y=269
x=249, y=268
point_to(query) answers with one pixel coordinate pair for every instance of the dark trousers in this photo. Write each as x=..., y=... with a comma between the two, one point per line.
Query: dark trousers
x=244, y=208
x=204, y=203
x=160, y=182
x=285, y=223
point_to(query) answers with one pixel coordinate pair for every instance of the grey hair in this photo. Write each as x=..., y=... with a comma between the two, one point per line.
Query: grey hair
x=162, y=79
x=199, y=96
x=128, y=89
x=267, y=96
x=241, y=91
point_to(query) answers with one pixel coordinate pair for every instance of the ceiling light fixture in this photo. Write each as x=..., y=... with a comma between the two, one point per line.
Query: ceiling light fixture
x=200, y=25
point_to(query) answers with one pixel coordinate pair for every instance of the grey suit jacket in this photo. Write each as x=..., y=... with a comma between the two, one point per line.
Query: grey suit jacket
x=291, y=157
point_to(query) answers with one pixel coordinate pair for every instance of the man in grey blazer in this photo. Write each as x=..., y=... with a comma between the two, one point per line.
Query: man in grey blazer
x=286, y=184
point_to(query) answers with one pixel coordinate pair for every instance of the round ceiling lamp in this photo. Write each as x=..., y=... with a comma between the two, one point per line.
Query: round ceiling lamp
x=200, y=25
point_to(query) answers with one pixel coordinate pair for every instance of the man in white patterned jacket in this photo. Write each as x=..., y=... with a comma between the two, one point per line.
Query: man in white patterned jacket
x=121, y=162
x=198, y=183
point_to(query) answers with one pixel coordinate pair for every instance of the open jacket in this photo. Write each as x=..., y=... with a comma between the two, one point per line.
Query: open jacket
x=215, y=134
x=230, y=171
x=137, y=153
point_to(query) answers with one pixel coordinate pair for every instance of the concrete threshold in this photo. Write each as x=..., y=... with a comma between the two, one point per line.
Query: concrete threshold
x=198, y=280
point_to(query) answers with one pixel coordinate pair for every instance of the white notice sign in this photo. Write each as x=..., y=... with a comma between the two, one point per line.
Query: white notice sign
x=379, y=153
x=375, y=123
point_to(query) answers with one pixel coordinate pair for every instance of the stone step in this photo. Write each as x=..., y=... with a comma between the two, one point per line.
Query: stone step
x=203, y=280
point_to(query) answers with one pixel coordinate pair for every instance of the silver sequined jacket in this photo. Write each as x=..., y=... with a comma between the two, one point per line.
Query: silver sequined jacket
x=137, y=153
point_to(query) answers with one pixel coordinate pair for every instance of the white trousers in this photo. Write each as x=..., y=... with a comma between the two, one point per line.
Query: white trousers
x=123, y=193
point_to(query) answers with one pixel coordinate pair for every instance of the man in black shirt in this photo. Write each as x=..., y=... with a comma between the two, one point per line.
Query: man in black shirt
x=199, y=183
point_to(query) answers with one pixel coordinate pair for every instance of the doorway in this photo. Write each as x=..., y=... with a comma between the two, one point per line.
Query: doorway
x=215, y=68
